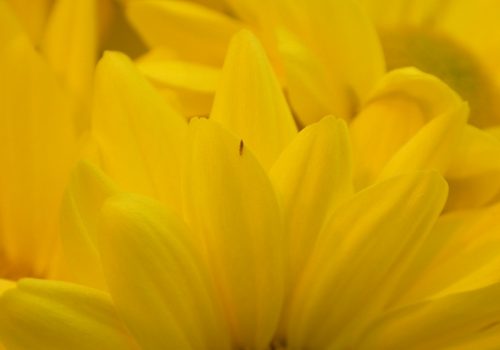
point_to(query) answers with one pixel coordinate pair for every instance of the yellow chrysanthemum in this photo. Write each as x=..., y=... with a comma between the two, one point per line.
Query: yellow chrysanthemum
x=256, y=243
x=245, y=231
x=455, y=40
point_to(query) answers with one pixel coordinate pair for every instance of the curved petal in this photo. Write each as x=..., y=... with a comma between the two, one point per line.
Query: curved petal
x=179, y=74
x=341, y=34
x=6, y=285
x=470, y=24
x=194, y=32
x=360, y=256
x=249, y=100
x=310, y=90
x=39, y=144
x=87, y=191
x=438, y=323
x=474, y=171
x=403, y=101
x=451, y=39
x=70, y=43
x=156, y=278
x=460, y=254
x=312, y=176
x=431, y=148
x=189, y=86
x=32, y=15
x=231, y=205
x=140, y=137
x=10, y=24
x=49, y=315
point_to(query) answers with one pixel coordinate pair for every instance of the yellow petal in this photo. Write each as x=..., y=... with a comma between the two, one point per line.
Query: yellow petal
x=494, y=131
x=434, y=94
x=58, y=316
x=470, y=24
x=38, y=146
x=437, y=323
x=179, y=74
x=140, y=137
x=249, y=100
x=474, y=170
x=231, y=204
x=194, y=32
x=450, y=39
x=338, y=26
x=340, y=33
x=311, y=92
x=85, y=195
x=431, y=148
x=477, y=152
x=402, y=102
x=188, y=103
x=10, y=27
x=487, y=339
x=219, y=5
x=390, y=13
x=6, y=285
x=156, y=278
x=312, y=176
x=473, y=192
x=189, y=87
x=70, y=43
x=33, y=15
x=360, y=255
x=460, y=254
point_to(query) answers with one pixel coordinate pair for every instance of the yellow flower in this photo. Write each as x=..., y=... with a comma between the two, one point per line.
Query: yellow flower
x=256, y=237
x=454, y=40
x=221, y=282
x=244, y=232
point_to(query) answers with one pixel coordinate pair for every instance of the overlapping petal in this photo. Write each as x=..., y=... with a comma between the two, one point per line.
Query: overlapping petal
x=156, y=277
x=232, y=208
x=313, y=177
x=55, y=315
x=361, y=253
x=249, y=100
x=39, y=146
x=141, y=139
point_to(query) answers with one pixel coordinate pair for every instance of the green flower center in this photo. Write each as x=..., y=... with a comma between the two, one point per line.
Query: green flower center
x=439, y=55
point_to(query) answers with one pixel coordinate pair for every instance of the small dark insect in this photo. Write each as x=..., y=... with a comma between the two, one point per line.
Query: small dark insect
x=241, y=147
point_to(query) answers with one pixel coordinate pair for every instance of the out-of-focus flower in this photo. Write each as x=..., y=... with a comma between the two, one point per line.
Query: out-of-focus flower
x=454, y=40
